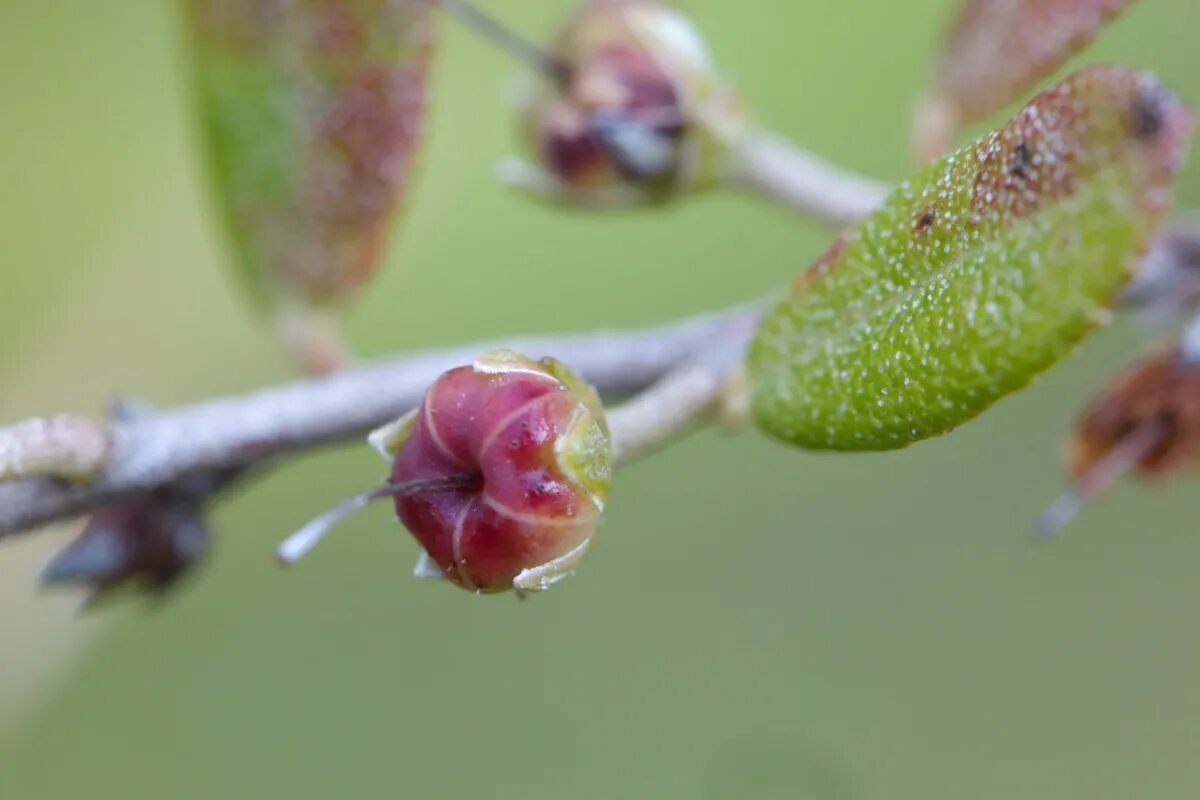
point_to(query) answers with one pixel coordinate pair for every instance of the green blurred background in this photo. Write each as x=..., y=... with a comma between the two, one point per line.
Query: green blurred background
x=756, y=622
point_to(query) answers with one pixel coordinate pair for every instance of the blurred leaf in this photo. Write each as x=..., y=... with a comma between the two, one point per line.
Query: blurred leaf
x=996, y=51
x=310, y=110
x=977, y=274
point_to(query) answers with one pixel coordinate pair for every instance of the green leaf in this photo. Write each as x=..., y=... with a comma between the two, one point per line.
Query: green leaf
x=977, y=274
x=310, y=113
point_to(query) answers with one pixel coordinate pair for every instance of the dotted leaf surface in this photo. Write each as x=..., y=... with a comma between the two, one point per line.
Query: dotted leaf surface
x=980, y=272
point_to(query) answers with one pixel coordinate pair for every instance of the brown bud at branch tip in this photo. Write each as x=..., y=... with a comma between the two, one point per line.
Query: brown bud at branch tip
x=1147, y=420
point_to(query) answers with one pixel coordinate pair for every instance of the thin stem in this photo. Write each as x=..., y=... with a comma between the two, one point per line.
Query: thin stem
x=299, y=543
x=1116, y=464
x=519, y=47
x=313, y=338
x=679, y=403
x=689, y=397
x=773, y=167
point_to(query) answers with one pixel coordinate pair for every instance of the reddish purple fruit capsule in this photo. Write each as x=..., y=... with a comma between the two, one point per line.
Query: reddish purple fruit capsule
x=501, y=474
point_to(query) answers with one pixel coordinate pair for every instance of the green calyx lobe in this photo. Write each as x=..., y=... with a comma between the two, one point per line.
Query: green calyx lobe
x=980, y=272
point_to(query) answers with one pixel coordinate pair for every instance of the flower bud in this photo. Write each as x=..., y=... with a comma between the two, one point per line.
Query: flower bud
x=533, y=435
x=636, y=113
x=500, y=474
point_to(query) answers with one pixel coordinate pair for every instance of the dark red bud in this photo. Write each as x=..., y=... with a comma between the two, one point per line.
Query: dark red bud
x=533, y=437
x=501, y=475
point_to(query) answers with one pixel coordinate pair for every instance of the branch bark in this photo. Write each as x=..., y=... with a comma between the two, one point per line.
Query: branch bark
x=777, y=169
x=161, y=449
x=691, y=395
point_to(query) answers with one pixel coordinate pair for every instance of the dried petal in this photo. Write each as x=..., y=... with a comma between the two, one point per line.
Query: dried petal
x=996, y=51
x=977, y=274
x=1161, y=392
x=150, y=542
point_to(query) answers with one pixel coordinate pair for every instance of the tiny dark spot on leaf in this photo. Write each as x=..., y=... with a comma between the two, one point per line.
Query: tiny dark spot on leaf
x=925, y=221
x=1147, y=114
x=1020, y=160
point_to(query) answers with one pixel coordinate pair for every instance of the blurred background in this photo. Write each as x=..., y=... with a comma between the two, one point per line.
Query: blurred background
x=755, y=622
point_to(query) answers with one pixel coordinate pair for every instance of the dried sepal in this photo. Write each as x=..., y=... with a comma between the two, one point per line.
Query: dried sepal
x=636, y=114
x=310, y=113
x=995, y=52
x=388, y=439
x=148, y=544
x=977, y=274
